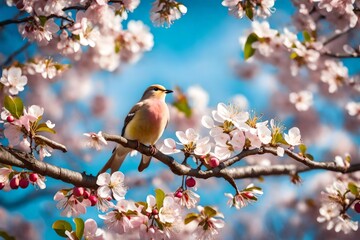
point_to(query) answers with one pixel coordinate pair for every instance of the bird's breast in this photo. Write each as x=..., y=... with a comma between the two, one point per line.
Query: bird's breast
x=148, y=123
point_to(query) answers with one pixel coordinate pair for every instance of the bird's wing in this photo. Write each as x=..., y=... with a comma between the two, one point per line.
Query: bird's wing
x=131, y=115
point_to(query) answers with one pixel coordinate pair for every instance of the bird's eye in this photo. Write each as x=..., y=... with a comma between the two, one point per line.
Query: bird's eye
x=156, y=89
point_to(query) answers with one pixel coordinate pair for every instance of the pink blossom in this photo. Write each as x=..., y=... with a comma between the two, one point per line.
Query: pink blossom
x=91, y=230
x=95, y=140
x=14, y=80
x=302, y=100
x=189, y=199
x=169, y=211
x=111, y=185
x=165, y=12
x=71, y=206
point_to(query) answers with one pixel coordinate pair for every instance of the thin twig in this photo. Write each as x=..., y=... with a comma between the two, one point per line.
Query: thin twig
x=11, y=57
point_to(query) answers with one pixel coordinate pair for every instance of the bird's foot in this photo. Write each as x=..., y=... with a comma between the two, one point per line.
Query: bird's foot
x=137, y=144
x=153, y=150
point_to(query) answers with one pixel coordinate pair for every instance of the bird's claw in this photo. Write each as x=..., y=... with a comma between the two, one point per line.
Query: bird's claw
x=153, y=150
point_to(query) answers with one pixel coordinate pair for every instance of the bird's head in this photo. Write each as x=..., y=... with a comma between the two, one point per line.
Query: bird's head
x=156, y=91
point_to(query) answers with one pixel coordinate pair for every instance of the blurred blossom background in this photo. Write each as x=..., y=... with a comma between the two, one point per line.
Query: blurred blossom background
x=200, y=57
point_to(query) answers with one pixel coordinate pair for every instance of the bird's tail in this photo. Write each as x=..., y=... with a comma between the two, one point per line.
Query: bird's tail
x=117, y=158
x=144, y=163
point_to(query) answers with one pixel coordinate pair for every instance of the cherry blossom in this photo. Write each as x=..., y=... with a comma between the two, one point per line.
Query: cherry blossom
x=36, y=31
x=208, y=227
x=91, y=230
x=353, y=109
x=124, y=218
x=244, y=197
x=14, y=80
x=95, y=140
x=83, y=27
x=191, y=141
x=302, y=100
x=111, y=185
x=293, y=137
x=188, y=198
x=71, y=205
x=334, y=74
x=165, y=12
x=169, y=211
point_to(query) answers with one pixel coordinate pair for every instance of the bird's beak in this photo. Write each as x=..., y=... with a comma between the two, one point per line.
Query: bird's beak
x=169, y=91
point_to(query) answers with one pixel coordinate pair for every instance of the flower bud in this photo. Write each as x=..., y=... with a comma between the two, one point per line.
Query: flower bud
x=178, y=194
x=357, y=207
x=214, y=162
x=14, y=183
x=190, y=182
x=33, y=177
x=24, y=183
x=93, y=199
x=10, y=119
x=78, y=191
x=86, y=194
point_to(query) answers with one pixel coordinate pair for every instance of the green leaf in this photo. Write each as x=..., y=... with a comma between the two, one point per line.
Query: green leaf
x=249, y=12
x=159, y=196
x=6, y=236
x=309, y=156
x=303, y=149
x=353, y=188
x=190, y=217
x=43, y=20
x=42, y=127
x=60, y=226
x=79, y=223
x=307, y=36
x=280, y=139
x=209, y=211
x=14, y=105
x=248, y=49
x=183, y=106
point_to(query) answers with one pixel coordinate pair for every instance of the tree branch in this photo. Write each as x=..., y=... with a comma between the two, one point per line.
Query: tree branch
x=19, y=159
x=11, y=57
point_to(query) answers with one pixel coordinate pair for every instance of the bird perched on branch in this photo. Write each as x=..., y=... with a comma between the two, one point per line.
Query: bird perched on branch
x=145, y=123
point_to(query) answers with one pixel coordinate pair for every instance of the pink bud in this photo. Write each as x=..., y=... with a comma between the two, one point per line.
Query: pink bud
x=10, y=119
x=249, y=194
x=93, y=199
x=190, y=182
x=14, y=183
x=178, y=194
x=155, y=211
x=33, y=177
x=214, y=162
x=86, y=194
x=357, y=207
x=2, y=185
x=78, y=191
x=24, y=183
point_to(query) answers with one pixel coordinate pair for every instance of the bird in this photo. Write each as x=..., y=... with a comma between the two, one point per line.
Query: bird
x=145, y=123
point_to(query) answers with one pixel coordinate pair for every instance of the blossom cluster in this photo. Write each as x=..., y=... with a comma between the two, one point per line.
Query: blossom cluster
x=94, y=34
x=336, y=199
x=231, y=131
x=250, y=8
x=165, y=12
x=159, y=217
x=340, y=14
x=22, y=125
x=11, y=179
x=293, y=55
